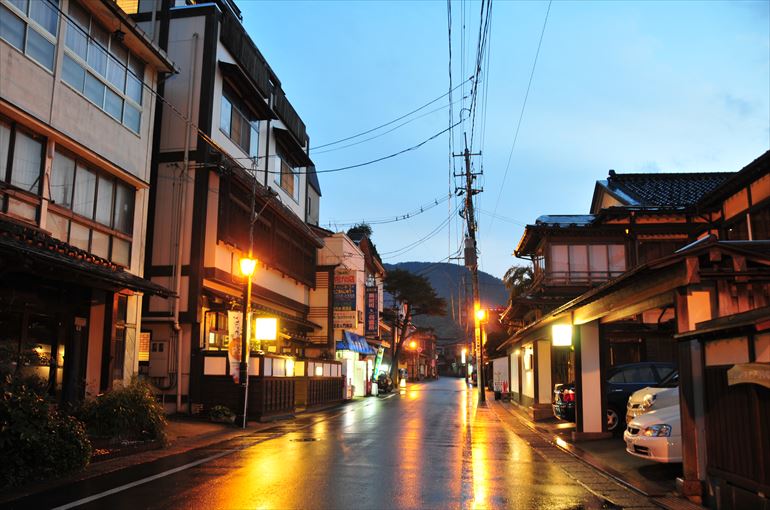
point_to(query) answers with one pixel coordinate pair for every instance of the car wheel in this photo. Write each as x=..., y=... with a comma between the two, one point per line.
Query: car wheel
x=613, y=420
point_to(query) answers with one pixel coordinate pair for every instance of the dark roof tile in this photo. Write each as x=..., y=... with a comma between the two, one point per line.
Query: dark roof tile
x=681, y=189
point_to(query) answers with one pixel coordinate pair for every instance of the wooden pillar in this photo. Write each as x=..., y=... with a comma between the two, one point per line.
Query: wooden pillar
x=691, y=401
x=589, y=417
x=543, y=369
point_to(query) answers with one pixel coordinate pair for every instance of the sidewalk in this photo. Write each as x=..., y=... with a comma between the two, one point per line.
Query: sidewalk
x=651, y=480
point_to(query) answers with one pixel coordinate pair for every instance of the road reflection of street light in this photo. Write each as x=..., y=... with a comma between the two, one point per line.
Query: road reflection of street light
x=413, y=347
x=248, y=265
x=481, y=319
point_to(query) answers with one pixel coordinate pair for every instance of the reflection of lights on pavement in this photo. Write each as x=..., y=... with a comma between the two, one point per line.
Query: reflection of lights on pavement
x=402, y=392
x=412, y=395
x=480, y=461
x=561, y=442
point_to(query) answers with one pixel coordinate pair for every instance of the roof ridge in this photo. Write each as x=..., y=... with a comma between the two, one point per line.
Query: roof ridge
x=671, y=174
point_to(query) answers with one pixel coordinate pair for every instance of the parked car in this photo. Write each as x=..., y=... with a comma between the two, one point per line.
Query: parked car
x=652, y=398
x=656, y=435
x=621, y=382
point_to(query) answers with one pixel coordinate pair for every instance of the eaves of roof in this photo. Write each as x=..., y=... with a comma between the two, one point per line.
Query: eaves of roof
x=759, y=166
x=748, y=248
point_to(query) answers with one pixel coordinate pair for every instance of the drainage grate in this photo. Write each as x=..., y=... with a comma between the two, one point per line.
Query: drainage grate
x=304, y=439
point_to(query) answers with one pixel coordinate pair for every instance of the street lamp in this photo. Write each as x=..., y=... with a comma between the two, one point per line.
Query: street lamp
x=248, y=265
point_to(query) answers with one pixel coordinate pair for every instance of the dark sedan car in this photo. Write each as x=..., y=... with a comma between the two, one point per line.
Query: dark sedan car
x=621, y=382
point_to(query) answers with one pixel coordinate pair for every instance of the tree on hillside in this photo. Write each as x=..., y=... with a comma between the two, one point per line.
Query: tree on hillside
x=418, y=298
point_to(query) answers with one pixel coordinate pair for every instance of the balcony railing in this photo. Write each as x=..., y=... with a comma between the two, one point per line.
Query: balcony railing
x=575, y=278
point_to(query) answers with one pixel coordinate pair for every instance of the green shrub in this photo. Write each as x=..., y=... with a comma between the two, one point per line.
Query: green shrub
x=221, y=414
x=36, y=441
x=130, y=413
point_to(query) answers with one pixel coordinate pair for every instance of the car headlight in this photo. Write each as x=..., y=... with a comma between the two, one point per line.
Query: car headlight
x=657, y=431
x=648, y=400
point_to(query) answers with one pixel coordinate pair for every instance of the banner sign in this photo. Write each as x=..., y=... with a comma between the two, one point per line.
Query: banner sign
x=344, y=295
x=372, y=313
x=377, y=363
x=235, y=330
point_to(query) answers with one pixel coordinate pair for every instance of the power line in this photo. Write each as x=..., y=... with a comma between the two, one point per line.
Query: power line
x=521, y=113
x=390, y=122
x=392, y=219
x=315, y=153
x=377, y=160
x=405, y=249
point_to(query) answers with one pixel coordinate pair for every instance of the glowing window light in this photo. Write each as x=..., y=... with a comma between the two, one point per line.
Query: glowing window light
x=267, y=328
x=561, y=335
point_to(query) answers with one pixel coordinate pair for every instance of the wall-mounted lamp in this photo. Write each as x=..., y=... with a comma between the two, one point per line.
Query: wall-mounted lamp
x=561, y=335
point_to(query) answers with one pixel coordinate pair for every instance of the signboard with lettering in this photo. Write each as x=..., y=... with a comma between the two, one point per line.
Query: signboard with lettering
x=371, y=313
x=749, y=373
x=344, y=299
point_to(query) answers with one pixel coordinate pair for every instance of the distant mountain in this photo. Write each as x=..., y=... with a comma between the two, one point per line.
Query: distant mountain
x=452, y=282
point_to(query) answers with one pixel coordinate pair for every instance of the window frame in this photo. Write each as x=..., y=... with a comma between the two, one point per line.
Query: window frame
x=104, y=79
x=219, y=330
x=91, y=223
x=31, y=24
x=283, y=160
x=246, y=118
x=9, y=191
x=571, y=276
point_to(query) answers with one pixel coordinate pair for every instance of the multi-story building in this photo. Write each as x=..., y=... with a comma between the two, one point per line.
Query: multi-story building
x=347, y=303
x=231, y=177
x=77, y=111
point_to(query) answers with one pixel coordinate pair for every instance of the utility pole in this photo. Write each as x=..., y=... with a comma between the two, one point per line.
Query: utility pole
x=471, y=262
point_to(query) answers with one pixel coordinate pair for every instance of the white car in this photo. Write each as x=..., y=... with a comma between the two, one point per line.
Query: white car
x=666, y=394
x=648, y=399
x=656, y=435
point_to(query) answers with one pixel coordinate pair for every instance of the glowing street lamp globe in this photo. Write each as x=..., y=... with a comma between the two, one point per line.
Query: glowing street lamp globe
x=248, y=265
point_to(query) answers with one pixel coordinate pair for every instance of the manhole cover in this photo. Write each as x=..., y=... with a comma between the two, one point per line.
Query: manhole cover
x=304, y=439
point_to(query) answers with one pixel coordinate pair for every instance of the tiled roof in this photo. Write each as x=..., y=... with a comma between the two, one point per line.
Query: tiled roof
x=663, y=189
x=63, y=260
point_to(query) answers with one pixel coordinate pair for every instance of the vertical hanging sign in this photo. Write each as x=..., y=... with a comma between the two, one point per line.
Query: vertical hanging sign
x=235, y=330
x=372, y=313
x=344, y=299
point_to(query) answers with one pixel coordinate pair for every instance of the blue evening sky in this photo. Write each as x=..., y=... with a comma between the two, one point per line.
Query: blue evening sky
x=634, y=86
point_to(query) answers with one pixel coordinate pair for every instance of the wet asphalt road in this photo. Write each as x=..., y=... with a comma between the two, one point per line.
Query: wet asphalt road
x=428, y=447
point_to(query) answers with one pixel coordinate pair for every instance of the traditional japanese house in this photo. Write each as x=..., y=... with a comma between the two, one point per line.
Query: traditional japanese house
x=634, y=218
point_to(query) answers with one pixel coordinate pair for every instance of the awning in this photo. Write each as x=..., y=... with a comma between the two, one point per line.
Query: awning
x=25, y=249
x=355, y=343
x=248, y=89
x=292, y=148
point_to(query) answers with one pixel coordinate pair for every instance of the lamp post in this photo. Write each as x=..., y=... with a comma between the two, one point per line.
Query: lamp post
x=248, y=265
